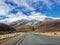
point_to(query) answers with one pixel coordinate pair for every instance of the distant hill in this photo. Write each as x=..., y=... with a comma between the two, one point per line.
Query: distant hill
x=6, y=28
x=24, y=28
x=32, y=21
x=48, y=26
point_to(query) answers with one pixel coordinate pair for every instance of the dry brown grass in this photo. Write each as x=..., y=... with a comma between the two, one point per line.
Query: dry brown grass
x=7, y=36
x=24, y=28
x=56, y=34
x=11, y=39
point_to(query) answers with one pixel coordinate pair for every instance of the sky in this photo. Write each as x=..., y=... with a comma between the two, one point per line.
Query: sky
x=16, y=9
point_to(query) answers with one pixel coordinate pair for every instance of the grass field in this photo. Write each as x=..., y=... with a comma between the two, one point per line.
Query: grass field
x=8, y=36
x=54, y=34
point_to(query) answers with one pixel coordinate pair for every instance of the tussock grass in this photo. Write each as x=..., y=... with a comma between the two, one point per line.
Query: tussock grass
x=7, y=36
x=51, y=33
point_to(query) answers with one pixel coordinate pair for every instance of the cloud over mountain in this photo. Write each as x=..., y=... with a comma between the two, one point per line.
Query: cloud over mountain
x=11, y=10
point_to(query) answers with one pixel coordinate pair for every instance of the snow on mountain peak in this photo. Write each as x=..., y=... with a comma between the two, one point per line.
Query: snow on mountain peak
x=33, y=16
x=20, y=16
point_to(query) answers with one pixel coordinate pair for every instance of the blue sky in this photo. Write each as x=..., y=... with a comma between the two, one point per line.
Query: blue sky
x=11, y=8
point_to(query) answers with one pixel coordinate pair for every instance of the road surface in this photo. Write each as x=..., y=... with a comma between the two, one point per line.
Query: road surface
x=35, y=39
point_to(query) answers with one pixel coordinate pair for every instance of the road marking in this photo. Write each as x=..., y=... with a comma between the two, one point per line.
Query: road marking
x=20, y=41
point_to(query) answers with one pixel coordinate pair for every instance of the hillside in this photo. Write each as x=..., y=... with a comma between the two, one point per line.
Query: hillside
x=45, y=27
x=49, y=26
x=6, y=28
x=24, y=28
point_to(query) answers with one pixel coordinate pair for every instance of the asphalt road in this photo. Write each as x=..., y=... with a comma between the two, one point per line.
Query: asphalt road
x=35, y=39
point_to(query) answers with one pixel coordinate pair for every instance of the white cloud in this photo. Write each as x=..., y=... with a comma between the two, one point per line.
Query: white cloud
x=48, y=3
x=37, y=16
x=13, y=17
x=4, y=8
x=58, y=2
x=22, y=3
x=20, y=15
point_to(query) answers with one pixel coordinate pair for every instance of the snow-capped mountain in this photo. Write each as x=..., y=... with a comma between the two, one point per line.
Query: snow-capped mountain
x=19, y=22
x=26, y=22
x=32, y=20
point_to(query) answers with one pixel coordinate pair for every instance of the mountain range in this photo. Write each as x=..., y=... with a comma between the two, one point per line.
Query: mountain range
x=34, y=23
x=49, y=26
x=32, y=20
